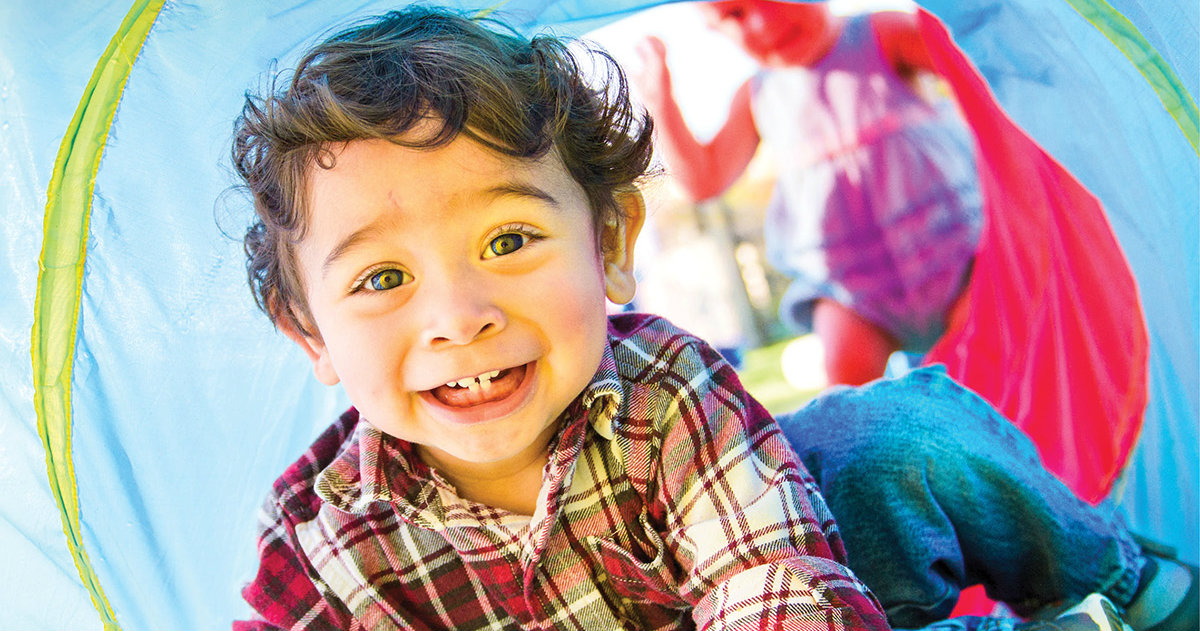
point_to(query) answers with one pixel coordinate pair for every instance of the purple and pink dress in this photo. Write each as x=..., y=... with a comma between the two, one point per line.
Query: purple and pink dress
x=878, y=203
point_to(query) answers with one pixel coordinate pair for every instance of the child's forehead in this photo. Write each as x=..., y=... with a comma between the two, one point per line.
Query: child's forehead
x=466, y=149
x=463, y=170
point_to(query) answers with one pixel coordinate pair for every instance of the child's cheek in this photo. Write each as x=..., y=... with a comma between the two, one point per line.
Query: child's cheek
x=578, y=307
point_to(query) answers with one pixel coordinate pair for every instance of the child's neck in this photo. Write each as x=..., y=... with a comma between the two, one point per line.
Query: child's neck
x=512, y=484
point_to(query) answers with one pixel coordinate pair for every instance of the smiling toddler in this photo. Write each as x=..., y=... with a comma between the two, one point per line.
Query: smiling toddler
x=443, y=210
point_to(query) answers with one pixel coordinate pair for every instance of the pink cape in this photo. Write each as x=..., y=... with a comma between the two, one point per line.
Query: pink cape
x=1051, y=330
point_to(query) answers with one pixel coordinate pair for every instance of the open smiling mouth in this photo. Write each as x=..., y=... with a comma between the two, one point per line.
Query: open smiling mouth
x=488, y=387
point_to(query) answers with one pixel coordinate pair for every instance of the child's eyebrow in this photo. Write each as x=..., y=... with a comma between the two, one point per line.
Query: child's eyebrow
x=519, y=189
x=346, y=244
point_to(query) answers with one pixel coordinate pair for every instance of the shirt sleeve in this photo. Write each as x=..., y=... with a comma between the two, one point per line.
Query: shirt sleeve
x=757, y=546
x=283, y=593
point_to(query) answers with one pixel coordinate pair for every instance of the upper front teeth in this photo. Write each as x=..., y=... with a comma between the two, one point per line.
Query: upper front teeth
x=484, y=379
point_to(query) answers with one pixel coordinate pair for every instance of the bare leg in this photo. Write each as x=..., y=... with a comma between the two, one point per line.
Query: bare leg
x=856, y=350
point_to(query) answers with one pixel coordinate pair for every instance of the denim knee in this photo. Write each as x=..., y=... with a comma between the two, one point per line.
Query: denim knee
x=910, y=419
x=934, y=490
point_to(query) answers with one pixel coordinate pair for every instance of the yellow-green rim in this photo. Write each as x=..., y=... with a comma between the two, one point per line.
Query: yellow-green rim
x=1130, y=41
x=60, y=276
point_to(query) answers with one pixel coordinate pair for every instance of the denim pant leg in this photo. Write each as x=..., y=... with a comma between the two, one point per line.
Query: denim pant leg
x=934, y=491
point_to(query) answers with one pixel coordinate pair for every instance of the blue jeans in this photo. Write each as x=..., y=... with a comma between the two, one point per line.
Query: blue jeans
x=934, y=491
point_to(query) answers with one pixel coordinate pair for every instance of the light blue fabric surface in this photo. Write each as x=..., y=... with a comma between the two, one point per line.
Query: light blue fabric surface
x=187, y=404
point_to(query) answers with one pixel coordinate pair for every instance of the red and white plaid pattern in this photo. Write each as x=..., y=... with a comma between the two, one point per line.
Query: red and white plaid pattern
x=671, y=501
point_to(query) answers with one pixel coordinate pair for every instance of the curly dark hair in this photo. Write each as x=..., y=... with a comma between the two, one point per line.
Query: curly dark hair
x=378, y=79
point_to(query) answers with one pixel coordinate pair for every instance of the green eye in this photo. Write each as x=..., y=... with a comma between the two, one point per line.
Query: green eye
x=506, y=244
x=387, y=279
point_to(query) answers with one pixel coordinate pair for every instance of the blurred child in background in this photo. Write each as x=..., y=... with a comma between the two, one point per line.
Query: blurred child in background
x=876, y=214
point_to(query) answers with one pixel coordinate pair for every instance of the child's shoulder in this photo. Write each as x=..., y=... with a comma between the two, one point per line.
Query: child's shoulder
x=650, y=349
x=295, y=490
x=651, y=336
x=633, y=323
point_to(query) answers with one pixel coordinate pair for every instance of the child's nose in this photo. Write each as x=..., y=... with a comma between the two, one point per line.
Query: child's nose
x=460, y=311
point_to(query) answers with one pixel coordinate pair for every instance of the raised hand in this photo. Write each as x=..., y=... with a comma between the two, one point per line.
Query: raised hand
x=652, y=78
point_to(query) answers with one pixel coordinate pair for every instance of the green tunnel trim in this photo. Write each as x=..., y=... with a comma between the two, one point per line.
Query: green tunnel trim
x=1130, y=41
x=60, y=275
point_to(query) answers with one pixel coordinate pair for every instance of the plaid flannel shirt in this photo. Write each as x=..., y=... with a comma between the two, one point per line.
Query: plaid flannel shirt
x=671, y=500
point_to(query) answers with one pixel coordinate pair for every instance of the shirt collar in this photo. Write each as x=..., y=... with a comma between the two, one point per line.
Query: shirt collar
x=603, y=395
x=376, y=467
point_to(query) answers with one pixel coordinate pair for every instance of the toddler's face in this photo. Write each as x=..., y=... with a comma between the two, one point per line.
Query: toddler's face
x=774, y=33
x=458, y=295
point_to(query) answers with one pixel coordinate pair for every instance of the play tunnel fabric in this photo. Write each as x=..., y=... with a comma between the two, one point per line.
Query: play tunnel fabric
x=147, y=405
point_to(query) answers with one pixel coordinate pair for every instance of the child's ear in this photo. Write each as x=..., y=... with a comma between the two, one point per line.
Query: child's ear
x=619, y=239
x=313, y=346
